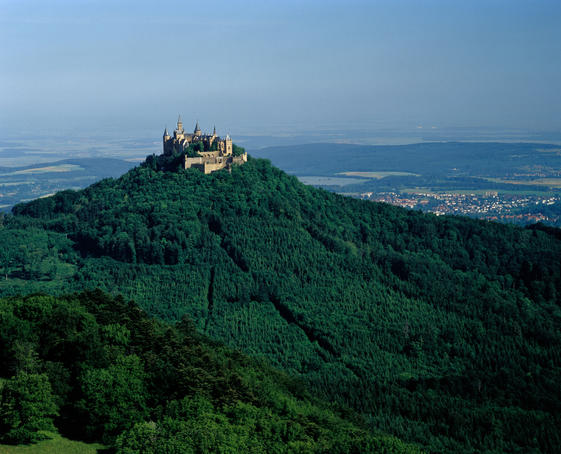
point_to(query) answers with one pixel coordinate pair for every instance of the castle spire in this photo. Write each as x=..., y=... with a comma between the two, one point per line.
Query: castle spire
x=214, y=131
x=166, y=132
x=197, y=131
x=179, y=124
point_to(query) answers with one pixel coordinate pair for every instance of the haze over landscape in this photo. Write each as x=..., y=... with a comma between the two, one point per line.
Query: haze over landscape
x=317, y=227
x=269, y=68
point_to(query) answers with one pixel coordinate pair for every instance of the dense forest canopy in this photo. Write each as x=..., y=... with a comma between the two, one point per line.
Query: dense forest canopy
x=442, y=331
x=101, y=369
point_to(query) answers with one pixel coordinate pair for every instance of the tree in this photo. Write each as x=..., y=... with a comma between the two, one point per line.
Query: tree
x=237, y=151
x=114, y=397
x=6, y=261
x=143, y=437
x=27, y=406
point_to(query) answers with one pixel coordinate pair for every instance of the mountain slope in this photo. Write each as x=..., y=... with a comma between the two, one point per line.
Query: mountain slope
x=113, y=374
x=444, y=331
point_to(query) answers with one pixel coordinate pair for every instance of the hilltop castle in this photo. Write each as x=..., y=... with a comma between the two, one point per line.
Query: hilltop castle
x=206, y=152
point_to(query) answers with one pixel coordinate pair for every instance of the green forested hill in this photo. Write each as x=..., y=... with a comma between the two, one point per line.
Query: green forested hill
x=101, y=369
x=442, y=331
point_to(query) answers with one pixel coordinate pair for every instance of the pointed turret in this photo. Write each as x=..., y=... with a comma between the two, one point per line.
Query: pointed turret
x=214, y=131
x=166, y=141
x=179, y=124
x=197, y=131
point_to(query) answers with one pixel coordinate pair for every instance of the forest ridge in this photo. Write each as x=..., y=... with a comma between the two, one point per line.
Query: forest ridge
x=444, y=332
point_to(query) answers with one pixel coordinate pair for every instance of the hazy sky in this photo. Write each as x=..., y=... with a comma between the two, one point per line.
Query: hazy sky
x=246, y=66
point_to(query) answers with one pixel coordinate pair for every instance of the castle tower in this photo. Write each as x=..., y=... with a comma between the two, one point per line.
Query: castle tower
x=166, y=139
x=179, y=133
x=197, y=130
x=214, y=131
x=228, y=143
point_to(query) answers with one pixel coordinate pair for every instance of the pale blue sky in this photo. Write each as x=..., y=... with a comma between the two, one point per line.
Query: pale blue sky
x=249, y=66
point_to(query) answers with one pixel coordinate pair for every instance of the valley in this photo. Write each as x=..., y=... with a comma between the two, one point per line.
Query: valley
x=505, y=182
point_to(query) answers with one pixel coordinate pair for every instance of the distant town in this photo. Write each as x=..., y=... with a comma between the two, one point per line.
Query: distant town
x=516, y=208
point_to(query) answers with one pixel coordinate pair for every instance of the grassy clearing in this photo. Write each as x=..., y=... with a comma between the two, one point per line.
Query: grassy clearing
x=417, y=190
x=46, y=169
x=549, y=150
x=56, y=445
x=551, y=182
x=379, y=175
x=329, y=181
x=522, y=191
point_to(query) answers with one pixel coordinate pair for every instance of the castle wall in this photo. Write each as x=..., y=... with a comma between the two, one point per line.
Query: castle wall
x=210, y=154
x=210, y=167
x=191, y=161
x=211, y=164
x=240, y=159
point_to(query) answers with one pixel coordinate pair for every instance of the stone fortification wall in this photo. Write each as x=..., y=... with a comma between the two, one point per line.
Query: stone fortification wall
x=209, y=164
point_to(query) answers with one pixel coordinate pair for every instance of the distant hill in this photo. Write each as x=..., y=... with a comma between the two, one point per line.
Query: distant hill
x=433, y=158
x=511, y=182
x=19, y=184
x=441, y=331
